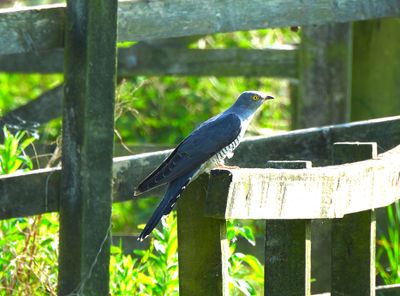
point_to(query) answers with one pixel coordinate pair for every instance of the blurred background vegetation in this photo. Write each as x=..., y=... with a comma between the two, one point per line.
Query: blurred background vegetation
x=152, y=113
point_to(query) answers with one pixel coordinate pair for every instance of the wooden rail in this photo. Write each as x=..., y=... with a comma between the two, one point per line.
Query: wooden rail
x=329, y=192
x=41, y=28
x=37, y=191
x=147, y=59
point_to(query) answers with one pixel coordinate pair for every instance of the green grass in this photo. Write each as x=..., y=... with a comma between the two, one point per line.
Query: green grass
x=388, y=248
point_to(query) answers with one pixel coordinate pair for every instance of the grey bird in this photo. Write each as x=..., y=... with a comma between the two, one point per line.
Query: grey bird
x=205, y=148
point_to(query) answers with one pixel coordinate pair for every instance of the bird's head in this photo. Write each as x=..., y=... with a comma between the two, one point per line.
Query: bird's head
x=251, y=100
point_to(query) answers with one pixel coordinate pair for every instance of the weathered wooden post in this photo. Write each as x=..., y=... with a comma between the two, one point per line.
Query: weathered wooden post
x=202, y=244
x=376, y=69
x=324, y=97
x=288, y=249
x=324, y=75
x=353, y=237
x=85, y=205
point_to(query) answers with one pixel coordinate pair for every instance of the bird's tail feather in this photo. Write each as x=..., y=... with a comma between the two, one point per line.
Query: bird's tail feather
x=174, y=190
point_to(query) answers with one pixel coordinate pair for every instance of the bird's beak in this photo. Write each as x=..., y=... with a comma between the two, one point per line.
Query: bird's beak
x=269, y=98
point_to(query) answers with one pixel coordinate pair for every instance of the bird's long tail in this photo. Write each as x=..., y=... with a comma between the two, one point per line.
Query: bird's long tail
x=166, y=205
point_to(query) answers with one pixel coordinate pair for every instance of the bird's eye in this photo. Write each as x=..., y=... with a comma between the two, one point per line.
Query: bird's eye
x=255, y=97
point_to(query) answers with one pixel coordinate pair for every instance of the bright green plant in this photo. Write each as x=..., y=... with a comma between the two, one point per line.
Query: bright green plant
x=18, y=89
x=164, y=110
x=12, y=152
x=388, y=251
x=245, y=270
x=154, y=271
x=28, y=255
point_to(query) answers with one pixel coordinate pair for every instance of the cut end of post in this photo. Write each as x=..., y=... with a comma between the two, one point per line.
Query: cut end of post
x=346, y=152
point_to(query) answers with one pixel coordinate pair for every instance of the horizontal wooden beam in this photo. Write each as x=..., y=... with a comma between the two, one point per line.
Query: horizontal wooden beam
x=387, y=290
x=41, y=28
x=41, y=110
x=45, y=62
x=315, y=144
x=37, y=192
x=144, y=59
x=140, y=20
x=32, y=29
x=327, y=192
x=272, y=62
x=32, y=193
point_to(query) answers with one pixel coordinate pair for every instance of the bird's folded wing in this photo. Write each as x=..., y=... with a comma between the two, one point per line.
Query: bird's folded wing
x=197, y=148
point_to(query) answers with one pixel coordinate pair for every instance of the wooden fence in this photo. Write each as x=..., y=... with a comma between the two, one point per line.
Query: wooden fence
x=83, y=35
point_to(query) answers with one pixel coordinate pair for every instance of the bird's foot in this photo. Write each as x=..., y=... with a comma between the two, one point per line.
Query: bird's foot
x=229, y=167
x=137, y=193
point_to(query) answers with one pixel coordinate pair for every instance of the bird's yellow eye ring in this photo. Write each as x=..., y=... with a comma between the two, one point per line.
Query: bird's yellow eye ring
x=255, y=97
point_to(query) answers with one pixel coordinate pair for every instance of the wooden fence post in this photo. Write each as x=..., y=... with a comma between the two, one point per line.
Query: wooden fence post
x=324, y=94
x=202, y=245
x=325, y=75
x=88, y=120
x=288, y=249
x=376, y=69
x=353, y=237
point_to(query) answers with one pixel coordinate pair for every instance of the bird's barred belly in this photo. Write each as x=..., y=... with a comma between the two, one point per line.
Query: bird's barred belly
x=218, y=159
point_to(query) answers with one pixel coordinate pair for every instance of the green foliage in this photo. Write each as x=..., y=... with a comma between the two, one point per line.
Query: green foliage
x=28, y=246
x=18, y=89
x=12, y=154
x=166, y=109
x=149, y=272
x=154, y=271
x=138, y=214
x=28, y=255
x=245, y=271
x=388, y=252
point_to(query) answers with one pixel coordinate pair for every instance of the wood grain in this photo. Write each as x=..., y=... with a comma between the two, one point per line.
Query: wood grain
x=328, y=192
x=281, y=258
x=203, y=246
x=353, y=236
x=325, y=56
x=143, y=59
x=41, y=28
x=87, y=147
